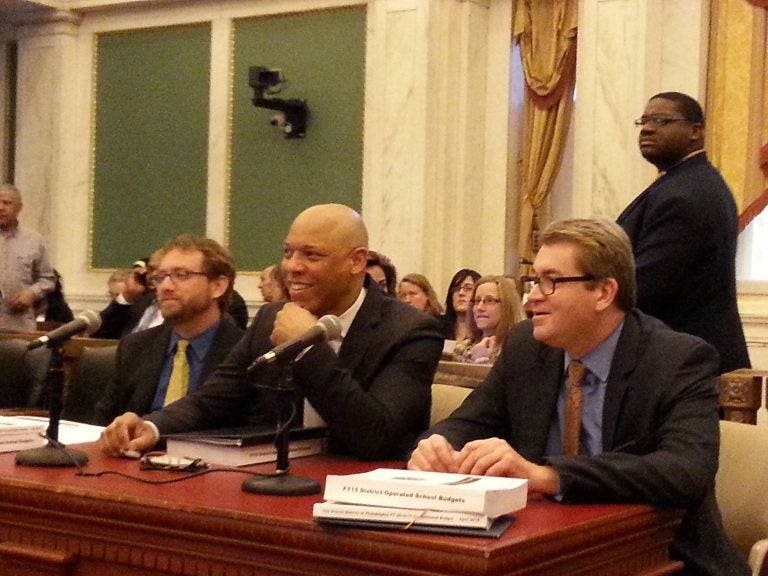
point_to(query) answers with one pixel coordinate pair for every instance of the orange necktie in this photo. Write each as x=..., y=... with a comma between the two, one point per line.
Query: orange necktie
x=576, y=374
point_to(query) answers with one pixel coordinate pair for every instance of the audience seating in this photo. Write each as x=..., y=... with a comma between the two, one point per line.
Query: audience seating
x=742, y=490
x=93, y=369
x=22, y=373
x=32, y=401
x=452, y=383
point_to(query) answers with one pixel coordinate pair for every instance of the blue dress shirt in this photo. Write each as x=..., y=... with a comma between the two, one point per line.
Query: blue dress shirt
x=197, y=350
x=598, y=363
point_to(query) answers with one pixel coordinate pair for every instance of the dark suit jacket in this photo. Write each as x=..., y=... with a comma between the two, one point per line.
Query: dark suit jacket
x=660, y=429
x=117, y=320
x=238, y=310
x=139, y=362
x=374, y=396
x=683, y=229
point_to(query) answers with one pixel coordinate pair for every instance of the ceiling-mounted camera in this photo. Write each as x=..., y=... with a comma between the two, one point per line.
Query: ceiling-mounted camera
x=265, y=80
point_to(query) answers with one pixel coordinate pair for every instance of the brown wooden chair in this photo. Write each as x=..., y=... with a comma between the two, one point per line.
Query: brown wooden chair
x=741, y=395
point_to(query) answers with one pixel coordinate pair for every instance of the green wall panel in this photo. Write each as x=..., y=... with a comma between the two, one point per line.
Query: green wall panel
x=322, y=55
x=151, y=145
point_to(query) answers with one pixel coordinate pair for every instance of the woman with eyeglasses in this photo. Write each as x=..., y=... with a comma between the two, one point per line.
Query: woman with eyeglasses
x=457, y=306
x=496, y=306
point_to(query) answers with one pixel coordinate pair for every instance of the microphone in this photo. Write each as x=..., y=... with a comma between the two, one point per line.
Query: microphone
x=88, y=321
x=327, y=328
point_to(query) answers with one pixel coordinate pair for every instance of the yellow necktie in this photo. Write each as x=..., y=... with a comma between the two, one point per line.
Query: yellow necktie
x=576, y=374
x=179, y=380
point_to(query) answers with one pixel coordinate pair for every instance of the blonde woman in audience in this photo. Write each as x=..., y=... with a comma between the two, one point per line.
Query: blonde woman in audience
x=496, y=307
x=415, y=289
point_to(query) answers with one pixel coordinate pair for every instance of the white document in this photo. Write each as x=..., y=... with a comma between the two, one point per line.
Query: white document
x=69, y=432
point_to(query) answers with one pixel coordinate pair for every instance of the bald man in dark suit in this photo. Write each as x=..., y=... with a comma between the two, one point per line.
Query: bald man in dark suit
x=373, y=388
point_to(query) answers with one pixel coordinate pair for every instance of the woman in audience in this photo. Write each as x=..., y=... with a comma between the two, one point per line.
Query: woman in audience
x=416, y=290
x=496, y=307
x=382, y=272
x=457, y=307
x=272, y=286
x=117, y=281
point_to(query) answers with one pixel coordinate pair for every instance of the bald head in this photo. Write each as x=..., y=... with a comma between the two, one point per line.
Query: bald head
x=324, y=259
x=340, y=222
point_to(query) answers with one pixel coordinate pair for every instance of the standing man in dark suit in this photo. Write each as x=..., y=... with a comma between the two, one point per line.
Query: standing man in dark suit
x=373, y=389
x=684, y=229
x=194, y=280
x=648, y=428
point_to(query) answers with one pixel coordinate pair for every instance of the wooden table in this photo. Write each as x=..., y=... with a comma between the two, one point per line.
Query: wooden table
x=54, y=522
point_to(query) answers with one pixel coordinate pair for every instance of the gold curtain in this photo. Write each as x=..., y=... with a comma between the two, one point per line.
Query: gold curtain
x=546, y=32
x=737, y=112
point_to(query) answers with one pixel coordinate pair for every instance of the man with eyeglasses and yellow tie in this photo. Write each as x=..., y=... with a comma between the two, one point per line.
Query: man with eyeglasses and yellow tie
x=684, y=229
x=592, y=400
x=155, y=367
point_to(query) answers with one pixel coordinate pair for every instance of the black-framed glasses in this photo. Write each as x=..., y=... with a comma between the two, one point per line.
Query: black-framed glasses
x=658, y=120
x=548, y=284
x=176, y=276
x=486, y=300
x=463, y=289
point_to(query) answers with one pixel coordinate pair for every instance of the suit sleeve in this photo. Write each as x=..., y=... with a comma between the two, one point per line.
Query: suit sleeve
x=221, y=401
x=113, y=398
x=374, y=410
x=376, y=413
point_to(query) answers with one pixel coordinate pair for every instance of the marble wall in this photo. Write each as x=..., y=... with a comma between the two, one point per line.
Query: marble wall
x=442, y=124
x=435, y=151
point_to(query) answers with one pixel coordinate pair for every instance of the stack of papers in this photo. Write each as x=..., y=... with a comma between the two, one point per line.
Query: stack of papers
x=243, y=446
x=431, y=500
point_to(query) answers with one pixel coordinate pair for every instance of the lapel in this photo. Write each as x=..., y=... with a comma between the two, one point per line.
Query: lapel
x=625, y=360
x=637, y=202
x=150, y=363
x=220, y=346
x=361, y=333
x=536, y=410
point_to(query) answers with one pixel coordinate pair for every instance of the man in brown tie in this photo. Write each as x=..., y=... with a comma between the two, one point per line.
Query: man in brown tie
x=592, y=400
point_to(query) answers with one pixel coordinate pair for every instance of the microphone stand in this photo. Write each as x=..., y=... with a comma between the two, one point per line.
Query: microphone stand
x=54, y=453
x=282, y=483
